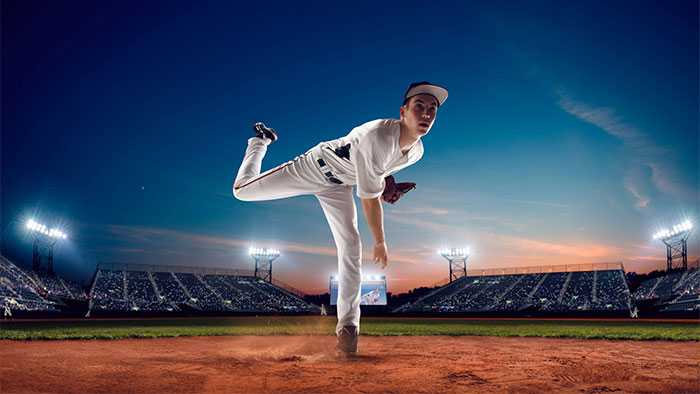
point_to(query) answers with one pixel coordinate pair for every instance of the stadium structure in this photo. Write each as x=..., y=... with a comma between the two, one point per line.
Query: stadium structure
x=580, y=289
x=146, y=290
x=135, y=289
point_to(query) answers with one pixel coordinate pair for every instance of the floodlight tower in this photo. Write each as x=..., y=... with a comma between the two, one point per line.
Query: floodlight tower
x=44, y=240
x=457, y=258
x=263, y=261
x=676, y=243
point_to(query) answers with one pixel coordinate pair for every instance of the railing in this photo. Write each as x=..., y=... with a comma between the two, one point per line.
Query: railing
x=546, y=269
x=172, y=268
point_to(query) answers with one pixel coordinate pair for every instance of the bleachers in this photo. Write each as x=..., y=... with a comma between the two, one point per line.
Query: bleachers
x=558, y=292
x=58, y=287
x=108, y=292
x=578, y=294
x=612, y=291
x=677, y=291
x=158, y=291
x=202, y=297
x=20, y=291
x=170, y=288
x=518, y=298
x=546, y=297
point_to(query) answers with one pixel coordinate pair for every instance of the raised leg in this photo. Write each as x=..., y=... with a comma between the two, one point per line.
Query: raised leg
x=293, y=178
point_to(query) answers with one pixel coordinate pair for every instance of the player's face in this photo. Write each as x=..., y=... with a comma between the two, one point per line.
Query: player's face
x=419, y=113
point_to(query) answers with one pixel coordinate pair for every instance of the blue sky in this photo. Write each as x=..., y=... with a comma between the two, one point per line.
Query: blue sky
x=570, y=134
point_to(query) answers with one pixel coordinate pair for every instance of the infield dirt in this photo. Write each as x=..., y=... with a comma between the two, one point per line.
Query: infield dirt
x=246, y=364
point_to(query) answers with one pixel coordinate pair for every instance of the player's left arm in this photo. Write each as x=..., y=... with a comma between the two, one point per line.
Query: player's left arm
x=374, y=213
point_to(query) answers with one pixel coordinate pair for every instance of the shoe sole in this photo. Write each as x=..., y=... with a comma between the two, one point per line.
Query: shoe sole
x=263, y=131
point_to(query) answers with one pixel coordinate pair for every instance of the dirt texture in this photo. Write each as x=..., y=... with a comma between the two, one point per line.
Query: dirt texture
x=308, y=364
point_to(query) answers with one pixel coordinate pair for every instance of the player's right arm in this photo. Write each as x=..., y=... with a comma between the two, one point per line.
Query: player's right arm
x=374, y=214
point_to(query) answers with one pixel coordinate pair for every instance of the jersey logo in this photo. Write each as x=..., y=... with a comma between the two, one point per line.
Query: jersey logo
x=343, y=152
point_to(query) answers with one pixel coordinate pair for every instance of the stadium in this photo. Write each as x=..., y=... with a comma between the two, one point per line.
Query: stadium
x=363, y=197
x=273, y=326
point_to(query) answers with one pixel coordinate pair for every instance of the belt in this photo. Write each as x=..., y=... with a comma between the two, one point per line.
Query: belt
x=327, y=172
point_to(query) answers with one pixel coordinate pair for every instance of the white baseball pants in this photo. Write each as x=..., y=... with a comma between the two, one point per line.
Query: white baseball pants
x=303, y=176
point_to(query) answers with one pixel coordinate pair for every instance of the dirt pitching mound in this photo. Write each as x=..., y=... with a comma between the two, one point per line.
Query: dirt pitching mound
x=245, y=364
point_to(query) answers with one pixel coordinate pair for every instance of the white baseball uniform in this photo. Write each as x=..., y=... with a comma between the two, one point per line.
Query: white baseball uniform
x=363, y=158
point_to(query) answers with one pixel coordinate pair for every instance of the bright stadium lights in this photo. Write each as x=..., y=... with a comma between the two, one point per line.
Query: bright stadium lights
x=454, y=252
x=675, y=230
x=44, y=240
x=675, y=240
x=263, y=261
x=457, y=258
x=39, y=228
x=263, y=252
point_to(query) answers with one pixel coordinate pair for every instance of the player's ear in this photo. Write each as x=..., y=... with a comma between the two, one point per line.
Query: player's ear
x=402, y=110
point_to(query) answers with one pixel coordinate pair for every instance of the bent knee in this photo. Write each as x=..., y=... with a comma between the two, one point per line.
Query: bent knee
x=242, y=193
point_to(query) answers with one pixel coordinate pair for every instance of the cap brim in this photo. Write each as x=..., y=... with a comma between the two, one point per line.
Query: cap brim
x=436, y=91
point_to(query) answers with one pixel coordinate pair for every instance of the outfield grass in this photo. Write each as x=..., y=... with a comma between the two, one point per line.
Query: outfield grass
x=314, y=325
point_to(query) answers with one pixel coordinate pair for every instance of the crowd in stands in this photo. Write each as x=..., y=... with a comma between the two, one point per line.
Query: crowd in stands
x=109, y=293
x=145, y=291
x=58, y=287
x=20, y=292
x=678, y=291
x=562, y=292
x=115, y=291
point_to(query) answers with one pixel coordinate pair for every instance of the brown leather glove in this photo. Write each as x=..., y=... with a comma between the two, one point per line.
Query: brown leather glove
x=394, y=191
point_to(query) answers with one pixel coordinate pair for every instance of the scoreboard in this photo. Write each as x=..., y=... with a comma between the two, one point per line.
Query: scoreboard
x=373, y=290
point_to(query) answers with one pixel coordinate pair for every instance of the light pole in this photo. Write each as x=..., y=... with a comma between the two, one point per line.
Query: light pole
x=44, y=239
x=457, y=258
x=263, y=261
x=676, y=243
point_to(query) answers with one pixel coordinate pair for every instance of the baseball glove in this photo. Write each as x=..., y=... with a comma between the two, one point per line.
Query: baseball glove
x=394, y=191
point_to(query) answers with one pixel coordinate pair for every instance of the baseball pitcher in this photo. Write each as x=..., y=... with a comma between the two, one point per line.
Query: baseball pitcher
x=365, y=158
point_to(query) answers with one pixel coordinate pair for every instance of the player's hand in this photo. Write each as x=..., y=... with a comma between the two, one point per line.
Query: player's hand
x=380, y=254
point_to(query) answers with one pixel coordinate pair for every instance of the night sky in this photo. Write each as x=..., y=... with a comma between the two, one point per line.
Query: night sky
x=570, y=134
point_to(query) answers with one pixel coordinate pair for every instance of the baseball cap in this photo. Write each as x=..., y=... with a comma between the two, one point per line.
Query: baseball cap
x=425, y=87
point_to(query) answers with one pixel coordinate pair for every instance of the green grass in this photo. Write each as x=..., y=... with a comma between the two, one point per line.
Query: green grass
x=314, y=325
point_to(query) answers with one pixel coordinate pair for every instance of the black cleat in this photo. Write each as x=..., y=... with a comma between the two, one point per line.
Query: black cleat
x=347, y=340
x=262, y=131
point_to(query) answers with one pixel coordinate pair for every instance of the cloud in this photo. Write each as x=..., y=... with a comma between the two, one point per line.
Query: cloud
x=571, y=250
x=166, y=239
x=419, y=210
x=642, y=200
x=505, y=247
x=646, y=153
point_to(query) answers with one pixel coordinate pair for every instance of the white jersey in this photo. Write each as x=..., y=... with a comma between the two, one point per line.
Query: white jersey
x=367, y=154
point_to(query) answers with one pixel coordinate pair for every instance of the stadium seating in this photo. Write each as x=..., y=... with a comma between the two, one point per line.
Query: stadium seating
x=678, y=291
x=612, y=292
x=108, y=292
x=58, y=287
x=20, y=292
x=558, y=292
x=169, y=288
x=145, y=291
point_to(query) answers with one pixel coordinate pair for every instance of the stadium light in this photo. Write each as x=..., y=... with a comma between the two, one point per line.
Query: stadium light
x=675, y=230
x=44, y=240
x=675, y=240
x=457, y=258
x=263, y=252
x=263, y=261
x=39, y=228
x=454, y=252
